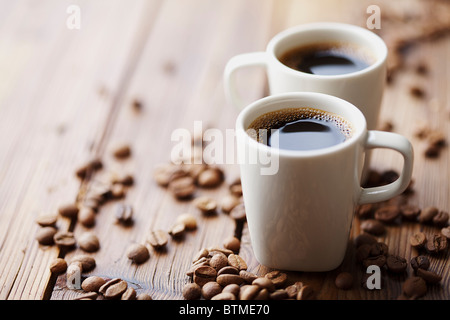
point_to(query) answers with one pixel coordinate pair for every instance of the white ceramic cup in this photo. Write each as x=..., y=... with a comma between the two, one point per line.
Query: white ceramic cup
x=300, y=216
x=364, y=88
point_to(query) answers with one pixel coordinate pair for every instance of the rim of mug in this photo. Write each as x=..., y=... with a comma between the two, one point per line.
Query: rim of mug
x=329, y=26
x=358, y=130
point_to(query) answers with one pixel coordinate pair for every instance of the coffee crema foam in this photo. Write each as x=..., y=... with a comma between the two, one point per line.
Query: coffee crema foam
x=259, y=128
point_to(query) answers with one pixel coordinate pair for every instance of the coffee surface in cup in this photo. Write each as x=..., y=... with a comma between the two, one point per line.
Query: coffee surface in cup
x=327, y=58
x=300, y=129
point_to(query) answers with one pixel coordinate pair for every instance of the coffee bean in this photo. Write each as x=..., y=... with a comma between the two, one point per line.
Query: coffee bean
x=87, y=169
x=192, y=291
x=441, y=219
x=279, y=294
x=218, y=261
x=436, y=244
x=263, y=294
x=247, y=276
x=68, y=210
x=379, y=248
x=446, y=232
x=418, y=240
x=387, y=214
x=87, y=217
x=365, y=211
x=211, y=289
x=88, y=242
x=396, y=264
x=188, y=220
x=210, y=178
x=108, y=284
x=115, y=291
x=118, y=191
x=129, y=294
x=377, y=260
x=363, y=252
x=344, y=281
x=427, y=214
x=232, y=243
x=199, y=263
x=305, y=293
x=232, y=288
x=177, y=230
x=164, y=174
x=238, y=212
x=45, y=235
x=249, y=292
x=58, y=266
x=410, y=212
x=364, y=238
x=264, y=283
x=47, y=220
x=138, y=253
x=373, y=226
x=87, y=296
x=421, y=262
x=428, y=276
x=236, y=188
x=92, y=283
x=214, y=249
x=237, y=261
x=122, y=151
x=125, y=180
x=143, y=296
x=182, y=188
x=205, y=204
x=203, y=253
x=227, y=279
x=157, y=239
x=228, y=270
x=414, y=287
x=88, y=263
x=224, y=296
x=204, y=274
x=228, y=202
x=293, y=289
x=278, y=278
x=64, y=239
x=124, y=213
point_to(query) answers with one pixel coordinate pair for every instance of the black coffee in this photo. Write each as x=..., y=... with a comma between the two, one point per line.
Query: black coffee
x=300, y=129
x=327, y=59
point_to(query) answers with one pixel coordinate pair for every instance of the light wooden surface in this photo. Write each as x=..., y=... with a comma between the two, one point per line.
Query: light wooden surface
x=65, y=97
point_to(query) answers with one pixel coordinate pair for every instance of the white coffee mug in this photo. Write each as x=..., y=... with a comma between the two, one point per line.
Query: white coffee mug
x=364, y=88
x=299, y=216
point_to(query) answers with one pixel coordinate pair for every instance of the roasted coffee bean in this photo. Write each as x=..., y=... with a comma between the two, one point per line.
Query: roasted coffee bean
x=214, y=249
x=279, y=294
x=129, y=294
x=238, y=212
x=305, y=293
x=427, y=214
x=92, y=283
x=157, y=239
x=47, y=220
x=247, y=276
x=218, y=261
x=293, y=289
x=107, y=284
x=118, y=191
x=188, y=220
x=344, y=281
x=138, y=253
x=125, y=180
x=446, y=232
x=237, y=262
x=166, y=173
x=232, y=243
x=224, y=296
x=387, y=214
x=373, y=226
x=379, y=248
x=182, y=188
x=441, y=219
x=228, y=270
x=278, y=278
x=68, y=210
x=115, y=291
x=205, y=204
x=64, y=239
x=249, y=292
x=410, y=212
x=428, y=276
x=87, y=217
x=228, y=202
x=363, y=252
x=88, y=242
x=210, y=178
x=436, y=244
x=232, y=288
x=45, y=235
x=122, y=151
x=88, y=263
x=192, y=291
x=236, y=188
x=263, y=294
x=364, y=238
x=365, y=211
x=124, y=213
x=58, y=266
x=87, y=169
x=418, y=240
x=143, y=296
x=204, y=274
x=264, y=283
x=377, y=260
x=210, y=289
x=396, y=264
x=421, y=262
x=414, y=287
x=87, y=296
x=203, y=253
x=177, y=230
x=199, y=263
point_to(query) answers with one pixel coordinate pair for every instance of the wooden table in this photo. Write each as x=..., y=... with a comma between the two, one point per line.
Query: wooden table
x=66, y=96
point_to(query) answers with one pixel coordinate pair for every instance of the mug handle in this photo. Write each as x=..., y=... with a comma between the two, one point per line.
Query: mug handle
x=258, y=59
x=389, y=140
